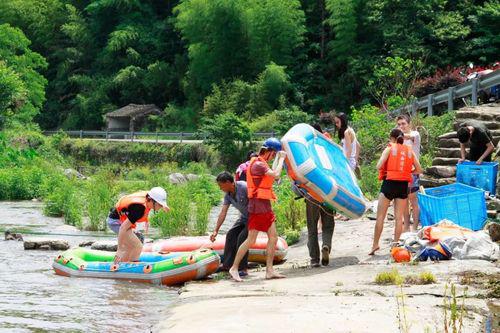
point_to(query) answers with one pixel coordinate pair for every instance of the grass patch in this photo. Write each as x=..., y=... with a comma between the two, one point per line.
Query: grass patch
x=393, y=277
x=389, y=277
x=420, y=279
x=290, y=213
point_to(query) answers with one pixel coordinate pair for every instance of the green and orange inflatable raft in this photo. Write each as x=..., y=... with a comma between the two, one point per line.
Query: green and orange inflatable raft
x=156, y=268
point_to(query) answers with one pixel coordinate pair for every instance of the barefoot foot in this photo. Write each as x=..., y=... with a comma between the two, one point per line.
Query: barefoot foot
x=375, y=249
x=235, y=275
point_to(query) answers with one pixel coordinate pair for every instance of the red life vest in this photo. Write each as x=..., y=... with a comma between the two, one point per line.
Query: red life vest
x=382, y=172
x=399, y=163
x=265, y=188
x=133, y=198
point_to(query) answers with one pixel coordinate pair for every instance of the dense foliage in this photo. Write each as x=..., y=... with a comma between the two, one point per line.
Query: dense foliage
x=72, y=61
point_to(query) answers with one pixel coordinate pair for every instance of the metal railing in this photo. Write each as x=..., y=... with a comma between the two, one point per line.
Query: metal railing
x=470, y=88
x=146, y=136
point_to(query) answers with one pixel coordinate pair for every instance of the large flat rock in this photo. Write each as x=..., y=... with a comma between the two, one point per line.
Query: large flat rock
x=445, y=161
x=448, y=152
x=45, y=244
x=105, y=246
x=428, y=181
x=491, y=125
x=441, y=171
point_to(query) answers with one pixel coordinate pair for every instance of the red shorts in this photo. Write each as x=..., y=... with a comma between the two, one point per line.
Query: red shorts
x=261, y=222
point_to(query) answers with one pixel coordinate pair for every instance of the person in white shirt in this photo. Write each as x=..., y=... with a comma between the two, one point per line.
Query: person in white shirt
x=347, y=137
x=412, y=139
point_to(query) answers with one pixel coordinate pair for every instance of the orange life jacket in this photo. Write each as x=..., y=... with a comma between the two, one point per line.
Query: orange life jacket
x=382, y=172
x=265, y=188
x=133, y=198
x=399, y=163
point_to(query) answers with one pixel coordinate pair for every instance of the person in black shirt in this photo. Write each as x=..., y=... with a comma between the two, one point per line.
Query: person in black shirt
x=479, y=137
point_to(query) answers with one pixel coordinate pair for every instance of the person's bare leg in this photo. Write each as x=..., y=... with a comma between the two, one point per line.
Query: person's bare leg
x=252, y=237
x=406, y=218
x=415, y=210
x=383, y=205
x=135, y=246
x=122, y=248
x=399, y=208
x=272, y=238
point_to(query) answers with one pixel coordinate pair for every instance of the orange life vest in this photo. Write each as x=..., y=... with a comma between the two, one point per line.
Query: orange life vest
x=265, y=188
x=382, y=172
x=399, y=163
x=133, y=198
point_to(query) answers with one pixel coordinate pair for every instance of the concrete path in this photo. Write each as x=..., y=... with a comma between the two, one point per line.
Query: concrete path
x=339, y=298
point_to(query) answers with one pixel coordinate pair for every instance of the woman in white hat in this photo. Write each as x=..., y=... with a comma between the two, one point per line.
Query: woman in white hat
x=129, y=210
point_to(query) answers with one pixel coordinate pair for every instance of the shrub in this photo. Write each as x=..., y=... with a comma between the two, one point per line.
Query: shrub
x=290, y=213
x=99, y=198
x=203, y=207
x=389, y=277
x=229, y=135
x=369, y=183
x=372, y=128
x=442, y=79
x=280, y=121
x=126, y=154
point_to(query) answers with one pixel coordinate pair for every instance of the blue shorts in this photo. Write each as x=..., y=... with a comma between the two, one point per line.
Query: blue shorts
x=415, y=184
x=114, y=224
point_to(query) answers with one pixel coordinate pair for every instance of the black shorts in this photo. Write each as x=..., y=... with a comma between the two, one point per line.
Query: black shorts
x=394, y=189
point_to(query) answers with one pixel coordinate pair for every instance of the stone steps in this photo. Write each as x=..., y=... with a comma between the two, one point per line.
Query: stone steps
x=429, y=181
x=445, y=161
x=452, y=142
x=448, y=152
x=491, y=125
x=441, y=171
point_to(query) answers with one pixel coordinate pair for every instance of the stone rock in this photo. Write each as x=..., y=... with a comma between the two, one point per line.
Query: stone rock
x=12, y=236
x=492, y=214
x=192, y=177
x=494, y=231
x=448, y=143
x=449, y=135
x=444, y=161
x=72, y=173
x=491, y=125
x=441, y=171
x=43, y=243
x=428, y=181
x=448, y=152
x=177, y=178
x=493, y=204
x=44, y=247
x=86, y=243
x=111, y=246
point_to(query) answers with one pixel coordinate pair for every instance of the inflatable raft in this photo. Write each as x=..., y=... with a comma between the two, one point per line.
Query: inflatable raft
x=257, y=252
x=167, y=269
x=318, y=167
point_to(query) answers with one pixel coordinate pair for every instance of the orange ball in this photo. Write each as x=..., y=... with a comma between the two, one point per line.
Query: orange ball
x=400, y=254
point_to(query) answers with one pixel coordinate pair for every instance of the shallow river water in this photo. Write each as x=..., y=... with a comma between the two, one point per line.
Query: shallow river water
x=34, y=299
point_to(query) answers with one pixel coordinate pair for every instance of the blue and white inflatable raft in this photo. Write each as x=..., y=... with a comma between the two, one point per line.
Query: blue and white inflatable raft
x=318, y=166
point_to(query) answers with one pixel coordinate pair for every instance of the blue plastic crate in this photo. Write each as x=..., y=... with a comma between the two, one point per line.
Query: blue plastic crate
x=462, y=204
x=482, y=176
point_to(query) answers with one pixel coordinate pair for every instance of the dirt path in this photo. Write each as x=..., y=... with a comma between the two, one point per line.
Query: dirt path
x=339, y=298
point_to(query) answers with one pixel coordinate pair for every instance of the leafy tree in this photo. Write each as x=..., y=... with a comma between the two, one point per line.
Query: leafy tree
x=236, y=39
x=486, y=42
x=229, y=135
x=396, y=78
x=22, y=90
x=250, y=100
